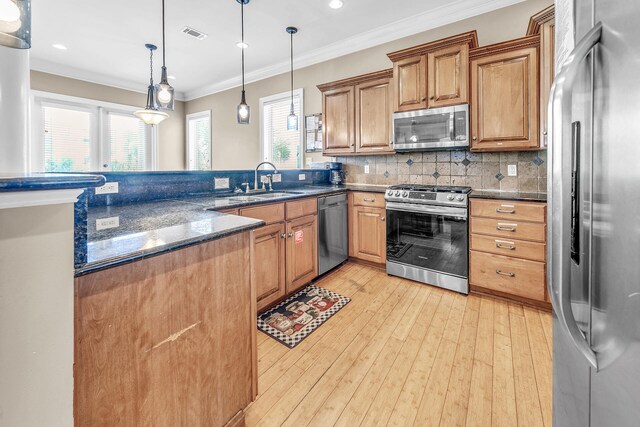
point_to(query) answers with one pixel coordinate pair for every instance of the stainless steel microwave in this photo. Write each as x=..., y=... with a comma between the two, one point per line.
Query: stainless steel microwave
x=444, y=128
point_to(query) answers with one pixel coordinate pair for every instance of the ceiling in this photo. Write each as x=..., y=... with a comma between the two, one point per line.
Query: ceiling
x=105, y=39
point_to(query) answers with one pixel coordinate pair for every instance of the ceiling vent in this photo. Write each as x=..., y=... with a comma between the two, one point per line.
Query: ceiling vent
x=194, y=33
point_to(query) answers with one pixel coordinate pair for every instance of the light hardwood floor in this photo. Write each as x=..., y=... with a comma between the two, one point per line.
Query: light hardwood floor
x=403, y=354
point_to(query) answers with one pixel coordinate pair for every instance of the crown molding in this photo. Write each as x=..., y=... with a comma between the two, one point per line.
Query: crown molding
x=540, y=18
x=91, y=77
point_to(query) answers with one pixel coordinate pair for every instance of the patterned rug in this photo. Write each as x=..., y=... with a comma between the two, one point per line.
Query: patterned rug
x=294, y=319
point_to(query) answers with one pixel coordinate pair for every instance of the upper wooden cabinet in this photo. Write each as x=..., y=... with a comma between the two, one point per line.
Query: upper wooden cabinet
x=504, y=96
x=434, y=74
x=357, y=114
x=410, y=77
x=543, y=23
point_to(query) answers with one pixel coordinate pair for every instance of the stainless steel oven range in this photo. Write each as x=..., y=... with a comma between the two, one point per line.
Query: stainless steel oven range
x=427, y=235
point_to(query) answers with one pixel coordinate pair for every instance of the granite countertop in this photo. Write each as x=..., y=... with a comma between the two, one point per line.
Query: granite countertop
x=509, y=195
x=48, y=181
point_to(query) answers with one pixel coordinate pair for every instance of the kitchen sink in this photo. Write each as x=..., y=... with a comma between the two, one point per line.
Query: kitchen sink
x=275, y=195
x=241, y=199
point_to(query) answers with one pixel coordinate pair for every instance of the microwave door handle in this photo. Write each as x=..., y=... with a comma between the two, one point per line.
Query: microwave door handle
x=560, y=256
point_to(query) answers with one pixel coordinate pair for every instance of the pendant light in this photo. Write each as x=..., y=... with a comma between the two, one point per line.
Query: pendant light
x=15, y=23
x=165, y=98
x=151, y=115
x=244, y=111
x=292, y=119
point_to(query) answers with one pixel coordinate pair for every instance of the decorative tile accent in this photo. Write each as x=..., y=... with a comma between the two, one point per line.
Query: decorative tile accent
x=466, y=162
x=537, y=161
x=499, y=176
x=386, y=174
x=409, y=162
x=436, y=175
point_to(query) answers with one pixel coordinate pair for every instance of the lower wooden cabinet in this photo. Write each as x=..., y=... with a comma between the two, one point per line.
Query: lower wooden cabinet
x=302, y=252
x=269, y=246
x=367, y=228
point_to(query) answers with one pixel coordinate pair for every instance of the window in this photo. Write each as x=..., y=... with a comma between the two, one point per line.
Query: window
x=199, y=141
x=78, y=135
x=280, y=146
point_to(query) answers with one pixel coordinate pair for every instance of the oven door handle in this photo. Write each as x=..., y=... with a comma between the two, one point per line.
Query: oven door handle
x=450, y=212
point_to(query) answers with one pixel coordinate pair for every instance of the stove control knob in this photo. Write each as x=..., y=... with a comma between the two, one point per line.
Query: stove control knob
x=397, y=193
x=405, y=194
x=460, y=198
x=450, y=197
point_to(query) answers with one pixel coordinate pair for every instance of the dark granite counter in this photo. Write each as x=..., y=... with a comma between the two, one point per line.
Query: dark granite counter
x=48, y=181
x=509, y=195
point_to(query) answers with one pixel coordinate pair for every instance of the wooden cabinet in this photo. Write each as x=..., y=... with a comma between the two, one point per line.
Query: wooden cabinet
x=410, y=77
x=338, y=113
x=504, y=96
x=508, y=249
x=269, y=246
x=543, y=23
x=374, y=130
x=367, y=227
x=285, y=250
x=434, y=74
x=302, y=252
x=168, y=340
x=357, y=115
x=448, y=76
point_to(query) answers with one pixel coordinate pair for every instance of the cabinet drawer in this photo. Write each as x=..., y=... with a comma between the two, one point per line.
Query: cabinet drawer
x=301, y=208
x=509, y=229
x=509, y=210
x=508, y=247
x=505, y=274
x=269, y=213
x=369, y=199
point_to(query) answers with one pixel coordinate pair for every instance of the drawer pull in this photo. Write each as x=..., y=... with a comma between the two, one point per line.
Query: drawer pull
x=506, y=227
x=506, y=245
x=505, y=273
x=507, y=211
x=370, y=200
x=289, y=235
x=283, y=235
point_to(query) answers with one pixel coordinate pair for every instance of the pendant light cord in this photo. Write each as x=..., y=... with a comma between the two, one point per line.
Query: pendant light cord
x=291, y=72
x=242, y=30
x=151, y=67
x=163, y=53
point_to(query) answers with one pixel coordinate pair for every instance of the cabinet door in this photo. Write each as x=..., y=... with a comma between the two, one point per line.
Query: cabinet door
x=547, y=47
x=338, y=112
x=410, y=77
x=269, y=264
x=368, y=234
x=448, y=76
x=504, y=100
x=302, y=252
x=373, y=117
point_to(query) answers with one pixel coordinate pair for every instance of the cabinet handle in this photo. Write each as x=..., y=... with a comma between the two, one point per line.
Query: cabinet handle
x=505, y=273
x=431, y=98
x=510, y=211
x=474, y=138
x=290, y=235
x=506, y=228
x=369, y=200
x=382, y=219
x=353, y=145
x=424, y=98
x=507, y=245
x=544, y=133
x=283, y=235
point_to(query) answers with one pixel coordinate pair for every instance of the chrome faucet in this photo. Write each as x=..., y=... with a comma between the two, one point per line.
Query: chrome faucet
x=255, y=182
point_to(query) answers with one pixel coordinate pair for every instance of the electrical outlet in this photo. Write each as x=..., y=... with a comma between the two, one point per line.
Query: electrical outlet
x=108, y=188
x=105, y=223
x=220, y=183
x=302, y=177
x=277, y=177
x=366, y=168
x=512, y=170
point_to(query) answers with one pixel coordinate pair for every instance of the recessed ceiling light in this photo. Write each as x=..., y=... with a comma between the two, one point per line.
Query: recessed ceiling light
x=242, y=45
x=9, y=11
x=335, y=4
x=171, y=77
x=60, y=46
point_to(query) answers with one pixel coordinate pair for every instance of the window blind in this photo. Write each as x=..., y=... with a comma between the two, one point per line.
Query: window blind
x=67, y=139
x=281, y=146
x=127, y=142
x=199, y=143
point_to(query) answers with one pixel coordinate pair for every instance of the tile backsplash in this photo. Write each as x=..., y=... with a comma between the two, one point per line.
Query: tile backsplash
x=480, y=171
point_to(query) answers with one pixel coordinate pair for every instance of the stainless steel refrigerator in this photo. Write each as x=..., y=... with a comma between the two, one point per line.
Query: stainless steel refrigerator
x=594, y=213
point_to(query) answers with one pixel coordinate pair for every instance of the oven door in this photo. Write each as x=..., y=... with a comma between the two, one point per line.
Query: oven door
x=428, y=237
x=432, y=129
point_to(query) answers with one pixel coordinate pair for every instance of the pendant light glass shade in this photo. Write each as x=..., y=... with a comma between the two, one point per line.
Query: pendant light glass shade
x=292, y=119
x=151, y=115
x=165, y=97
x=244, y=111
x=15, y=23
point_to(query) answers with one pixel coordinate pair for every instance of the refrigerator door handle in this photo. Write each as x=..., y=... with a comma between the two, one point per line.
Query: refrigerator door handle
x=560, y=106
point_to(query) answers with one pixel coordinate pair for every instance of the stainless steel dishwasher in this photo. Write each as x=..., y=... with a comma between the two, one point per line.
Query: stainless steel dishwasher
x=333, y=232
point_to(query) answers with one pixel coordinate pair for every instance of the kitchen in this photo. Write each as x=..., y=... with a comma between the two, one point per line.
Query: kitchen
x=411, y=206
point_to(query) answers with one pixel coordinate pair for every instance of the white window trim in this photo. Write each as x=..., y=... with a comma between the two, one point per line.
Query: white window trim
x=97, y=108
x=279, y=96
x=198, y=115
